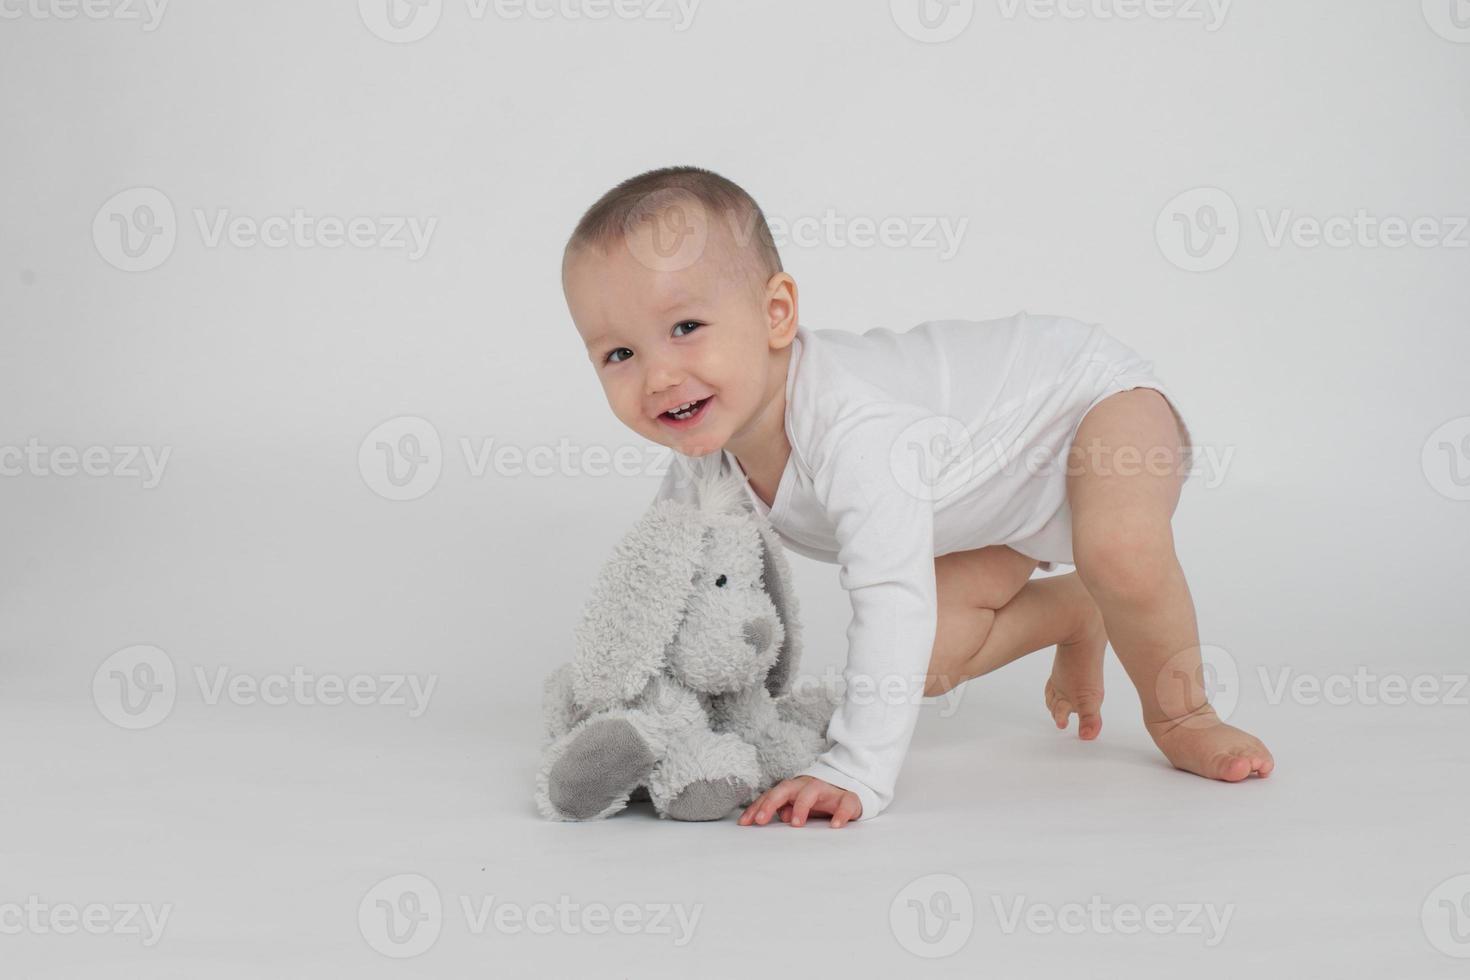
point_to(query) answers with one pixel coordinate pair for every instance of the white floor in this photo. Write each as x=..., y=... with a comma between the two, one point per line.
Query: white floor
x=264, y=830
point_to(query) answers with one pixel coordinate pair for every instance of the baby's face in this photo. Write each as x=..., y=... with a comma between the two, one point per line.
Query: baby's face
x=668, y=325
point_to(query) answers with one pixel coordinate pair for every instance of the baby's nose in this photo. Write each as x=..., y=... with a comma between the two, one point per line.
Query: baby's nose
x=758, y=633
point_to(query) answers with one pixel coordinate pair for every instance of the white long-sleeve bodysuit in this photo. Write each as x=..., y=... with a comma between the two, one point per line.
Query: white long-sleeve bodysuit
x=950, y=436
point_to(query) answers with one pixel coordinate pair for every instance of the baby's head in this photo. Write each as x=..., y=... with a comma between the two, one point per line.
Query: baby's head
x=675, y=285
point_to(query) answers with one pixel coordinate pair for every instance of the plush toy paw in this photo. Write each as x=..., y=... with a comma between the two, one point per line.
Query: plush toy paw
x=604, y=762
x=709, y=799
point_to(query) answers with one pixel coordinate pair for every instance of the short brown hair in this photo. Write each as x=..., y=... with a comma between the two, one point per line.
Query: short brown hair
x=644, y=196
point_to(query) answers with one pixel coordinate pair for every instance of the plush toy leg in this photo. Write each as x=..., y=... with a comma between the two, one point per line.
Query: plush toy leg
x=788, y=732
x=811, y=702
x=704, y=776
x=784, y=748
x=590, y=772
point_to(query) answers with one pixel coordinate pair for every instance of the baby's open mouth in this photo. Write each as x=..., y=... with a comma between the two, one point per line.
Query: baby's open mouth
x=684, y=413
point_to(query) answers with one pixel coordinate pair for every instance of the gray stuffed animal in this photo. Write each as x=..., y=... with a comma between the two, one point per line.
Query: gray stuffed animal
x=680, y=690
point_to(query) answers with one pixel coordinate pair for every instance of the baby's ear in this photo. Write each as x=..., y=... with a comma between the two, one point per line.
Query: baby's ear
x=637, y=604
x=776, y=575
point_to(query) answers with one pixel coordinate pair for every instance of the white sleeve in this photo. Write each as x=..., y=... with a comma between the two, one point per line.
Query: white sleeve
x=885, y=539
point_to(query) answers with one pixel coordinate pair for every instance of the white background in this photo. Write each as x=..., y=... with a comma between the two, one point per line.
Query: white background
x=1335, y=539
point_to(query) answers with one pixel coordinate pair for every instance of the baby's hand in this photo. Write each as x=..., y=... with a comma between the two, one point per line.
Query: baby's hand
x=795, y=798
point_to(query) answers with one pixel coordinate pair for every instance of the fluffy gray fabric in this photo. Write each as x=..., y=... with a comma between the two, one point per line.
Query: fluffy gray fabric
x=680, y=690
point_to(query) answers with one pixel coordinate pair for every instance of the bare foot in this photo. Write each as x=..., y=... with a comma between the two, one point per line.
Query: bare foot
x=1076, y=683
x=1201, y=743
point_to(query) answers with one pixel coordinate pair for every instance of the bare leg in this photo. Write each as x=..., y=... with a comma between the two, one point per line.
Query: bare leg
x=991, y=613
x=1123, y=491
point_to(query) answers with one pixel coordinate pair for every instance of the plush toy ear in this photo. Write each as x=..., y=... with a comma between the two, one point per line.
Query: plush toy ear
x=776, y=574
x=720, y=494
x=637, y=604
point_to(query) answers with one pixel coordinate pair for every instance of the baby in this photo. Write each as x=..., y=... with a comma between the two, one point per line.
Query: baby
x=939, y=467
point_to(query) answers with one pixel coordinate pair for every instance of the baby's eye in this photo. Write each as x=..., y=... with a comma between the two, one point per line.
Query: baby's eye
x=611, y=356
x=687, y=323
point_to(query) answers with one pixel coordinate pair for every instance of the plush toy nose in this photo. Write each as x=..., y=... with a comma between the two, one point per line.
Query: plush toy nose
x=758, y=633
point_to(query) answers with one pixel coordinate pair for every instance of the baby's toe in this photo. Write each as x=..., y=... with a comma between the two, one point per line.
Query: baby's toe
x=1089, y=725
x=1232, y=766
x=1060, y=708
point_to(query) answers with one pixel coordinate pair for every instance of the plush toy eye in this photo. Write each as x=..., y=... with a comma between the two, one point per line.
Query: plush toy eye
x=720, y=582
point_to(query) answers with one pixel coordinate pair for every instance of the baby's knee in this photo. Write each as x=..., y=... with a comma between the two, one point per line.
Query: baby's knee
x=1125, y=561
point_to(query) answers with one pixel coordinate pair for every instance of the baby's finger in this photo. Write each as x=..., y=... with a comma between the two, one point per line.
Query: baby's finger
x=762, y=802
x=846, y=810
x=772, y=800
x=804, y=802
x=785, y=813
x=749, y=814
